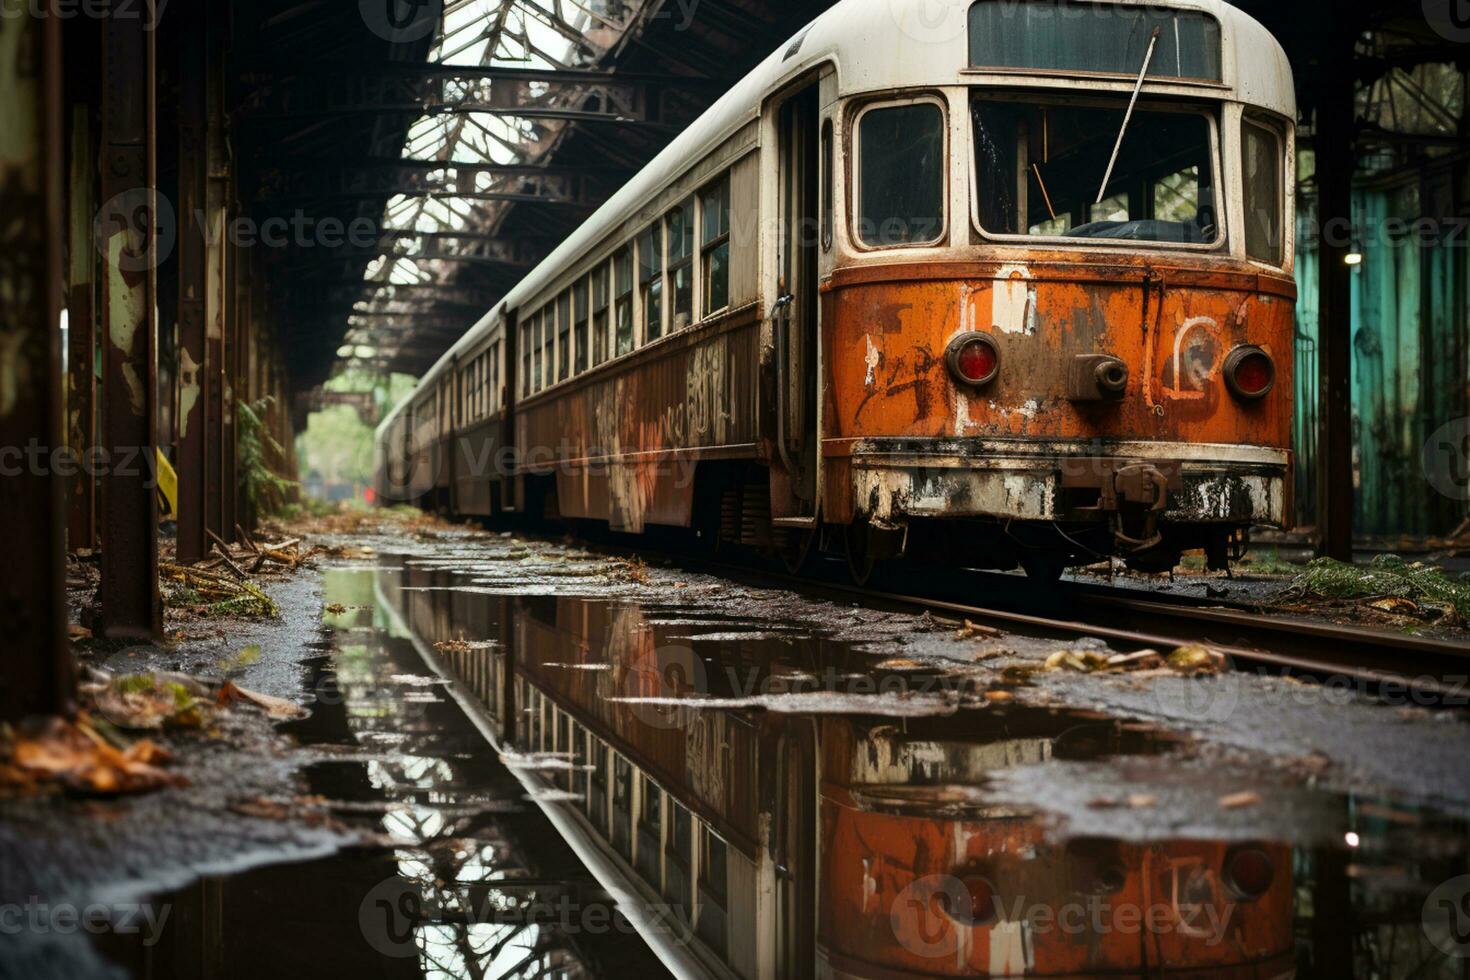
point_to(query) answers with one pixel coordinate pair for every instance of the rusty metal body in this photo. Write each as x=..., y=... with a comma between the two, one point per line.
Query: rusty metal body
x=906, y=441
x=823, y=397
x=983, y=892
x=128, y=227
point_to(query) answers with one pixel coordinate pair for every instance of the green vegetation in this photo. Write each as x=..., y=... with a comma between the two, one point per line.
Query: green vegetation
x=1386, y=575
x=259, y=455
x=336, y=448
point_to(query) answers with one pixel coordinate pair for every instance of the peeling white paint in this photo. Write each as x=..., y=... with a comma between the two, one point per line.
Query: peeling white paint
x=872, y=359
x=188, y=389
x=1010, y=298
x=1011, y=951
x=125, y=313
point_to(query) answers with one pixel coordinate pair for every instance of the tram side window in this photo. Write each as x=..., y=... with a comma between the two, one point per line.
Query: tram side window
x=713, y=897
x=677, y=855
x=548, y=344
x=564, y=335
x=578, y=760
x=828, y=204
x=1263, y=169
x=597, y=797
x=622, y=804
x=579, y=317
x=1039, y=168
x=651, y=281
x=714, y=245
x=681, y=265
x=650, y=833
x=527, y=332
x=623, y=304
x=901, y=175
x=495, y=376
x=599, y=314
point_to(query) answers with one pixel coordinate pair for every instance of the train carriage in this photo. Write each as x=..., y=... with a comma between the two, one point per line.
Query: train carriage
x=1001, y=279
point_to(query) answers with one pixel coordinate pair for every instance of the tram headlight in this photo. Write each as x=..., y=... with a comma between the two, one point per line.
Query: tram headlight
x=1248, y=872
x=973, y=358
x=1249, y=372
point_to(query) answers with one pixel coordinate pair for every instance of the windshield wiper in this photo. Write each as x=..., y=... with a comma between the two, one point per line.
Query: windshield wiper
x=1148, y=56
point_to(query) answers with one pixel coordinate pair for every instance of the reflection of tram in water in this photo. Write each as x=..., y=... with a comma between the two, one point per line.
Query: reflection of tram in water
x=788, y=846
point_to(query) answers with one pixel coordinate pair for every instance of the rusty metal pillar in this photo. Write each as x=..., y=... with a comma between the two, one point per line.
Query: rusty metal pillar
x=230, y=330
x=194, y=387
x=81, y=309
x=218, y=479
x=35, y=667
x=1333, y=138
x=130, y=224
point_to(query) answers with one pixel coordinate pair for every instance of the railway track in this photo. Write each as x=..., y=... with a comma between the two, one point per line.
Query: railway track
x=1436, y=672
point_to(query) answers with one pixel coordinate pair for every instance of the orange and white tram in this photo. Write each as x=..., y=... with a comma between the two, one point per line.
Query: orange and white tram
x=1006, y=281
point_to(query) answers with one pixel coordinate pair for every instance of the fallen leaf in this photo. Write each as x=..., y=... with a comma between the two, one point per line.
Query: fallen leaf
x=1195, y=659
x=277, y=709
x=1397, y=605
x=74, y=756
x=1139, y=801
x=975, y=629
x=1142, y=660
x=1082, y=661
x=1235, y=801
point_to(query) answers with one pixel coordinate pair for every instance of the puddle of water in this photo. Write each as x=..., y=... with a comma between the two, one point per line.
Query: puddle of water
x=747, y=783
x=461, y=873
x=744, y=799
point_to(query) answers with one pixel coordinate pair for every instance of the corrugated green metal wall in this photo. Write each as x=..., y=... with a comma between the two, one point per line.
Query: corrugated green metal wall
x=1408, y=326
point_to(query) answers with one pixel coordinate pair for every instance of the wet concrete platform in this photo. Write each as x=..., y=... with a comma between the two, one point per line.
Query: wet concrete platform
x=539, y=760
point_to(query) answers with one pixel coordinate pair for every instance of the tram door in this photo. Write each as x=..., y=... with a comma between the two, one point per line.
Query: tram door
x=795, y=320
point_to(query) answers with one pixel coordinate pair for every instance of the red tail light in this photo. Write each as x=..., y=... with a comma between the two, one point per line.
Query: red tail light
x=1248, y=872
x=973, y=358
x=981, y=904
x=1249, y=372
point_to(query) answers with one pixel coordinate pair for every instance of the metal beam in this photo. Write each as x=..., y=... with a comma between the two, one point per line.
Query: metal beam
x=1334, y=118
x=194, y=384
x=330, y=182
x=35, y=668
x=81, y=308
x=128, y=232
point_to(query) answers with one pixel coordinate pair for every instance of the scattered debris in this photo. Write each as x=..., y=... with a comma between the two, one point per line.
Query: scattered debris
x=334, y=608
x=1236, y=801
x=1082, y=661
x=1142, y=660
x=1196, y=659
x=152, y=701
x=461, y=645
x=631, y=570
x=197, y=589
x=75, y=756
x=1134, y=801
x=277, y=709
x=970, y=629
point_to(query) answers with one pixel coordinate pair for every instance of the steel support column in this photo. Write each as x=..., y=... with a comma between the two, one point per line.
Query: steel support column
x=81, y=308
x=1333, y=138
x=194, y=382
x=219, y=317
x=129, y=225
x=35, y=669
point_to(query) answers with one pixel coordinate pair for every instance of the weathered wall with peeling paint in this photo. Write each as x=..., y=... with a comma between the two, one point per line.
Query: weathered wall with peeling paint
x=1409, y=370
